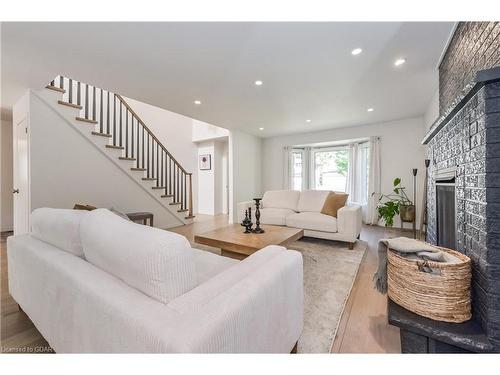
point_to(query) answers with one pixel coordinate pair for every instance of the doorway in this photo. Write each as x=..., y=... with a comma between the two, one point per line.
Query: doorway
x=21, y=178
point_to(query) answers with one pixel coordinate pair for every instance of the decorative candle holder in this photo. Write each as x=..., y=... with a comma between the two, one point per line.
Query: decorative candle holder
x=257, y=229
x=247, y=221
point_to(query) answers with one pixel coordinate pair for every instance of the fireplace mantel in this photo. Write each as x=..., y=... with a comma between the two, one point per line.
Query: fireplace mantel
x=483, y=77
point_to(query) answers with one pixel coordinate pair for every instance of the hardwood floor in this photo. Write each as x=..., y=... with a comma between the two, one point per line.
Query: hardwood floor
x=363, y=327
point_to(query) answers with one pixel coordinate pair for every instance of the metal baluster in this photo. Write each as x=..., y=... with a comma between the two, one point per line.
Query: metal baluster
x=78, y=93
x=169, y=173
x=153, y=157
x=126, y=132
x=177, y=186
x=86, y=101
x=101, y=116
x=147, y=153
x=162, y=171
x=137, y=143
x=132, y=133
x=142, y=148
x=114, y=119
x=93, y=104
x=107, y=116
x=121, y=134
x=70, y=93
x=158, y=164
x=185, y=197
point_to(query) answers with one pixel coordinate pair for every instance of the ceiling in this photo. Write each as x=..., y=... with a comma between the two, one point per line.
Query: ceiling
x=307, y=69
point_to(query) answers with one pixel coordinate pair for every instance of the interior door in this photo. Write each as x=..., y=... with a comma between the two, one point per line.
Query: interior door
x=21, y=179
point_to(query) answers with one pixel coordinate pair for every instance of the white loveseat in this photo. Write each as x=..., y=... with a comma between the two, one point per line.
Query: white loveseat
x=94, y=282
x=302, y=209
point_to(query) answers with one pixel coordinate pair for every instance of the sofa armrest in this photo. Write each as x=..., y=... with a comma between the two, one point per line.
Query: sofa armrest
x=256, y=306
x=349, y=219
x=242, y=206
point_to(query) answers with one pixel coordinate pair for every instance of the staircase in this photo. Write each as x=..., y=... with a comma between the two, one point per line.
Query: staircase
x=119, y=132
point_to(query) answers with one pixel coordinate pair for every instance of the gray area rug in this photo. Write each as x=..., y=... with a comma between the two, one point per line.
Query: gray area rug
x=330, y=269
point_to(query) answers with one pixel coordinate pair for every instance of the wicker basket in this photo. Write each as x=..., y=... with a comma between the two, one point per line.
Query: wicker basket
x=442, y=295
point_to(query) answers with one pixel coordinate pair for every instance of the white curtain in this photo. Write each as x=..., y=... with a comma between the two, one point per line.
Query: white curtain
x=287, y=167
x=353, y=175
x=370, y=215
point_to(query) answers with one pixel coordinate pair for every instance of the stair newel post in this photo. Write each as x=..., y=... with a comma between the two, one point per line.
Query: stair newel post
x=190, y=194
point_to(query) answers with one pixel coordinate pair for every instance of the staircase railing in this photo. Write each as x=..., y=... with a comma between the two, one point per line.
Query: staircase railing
x=113, y=116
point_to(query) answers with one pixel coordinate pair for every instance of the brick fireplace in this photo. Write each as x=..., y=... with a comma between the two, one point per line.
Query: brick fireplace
x=465, y=144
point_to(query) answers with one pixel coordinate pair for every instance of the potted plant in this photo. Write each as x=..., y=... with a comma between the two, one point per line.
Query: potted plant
x=396, y=203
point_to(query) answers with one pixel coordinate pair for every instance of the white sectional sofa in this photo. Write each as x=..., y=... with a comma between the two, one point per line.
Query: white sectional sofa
x=94, y=282
x=302, y=209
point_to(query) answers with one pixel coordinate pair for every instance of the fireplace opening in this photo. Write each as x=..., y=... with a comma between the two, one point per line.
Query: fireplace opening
x=446, y=214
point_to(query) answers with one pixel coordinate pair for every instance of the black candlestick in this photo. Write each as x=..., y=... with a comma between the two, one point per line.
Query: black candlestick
x=257, y=229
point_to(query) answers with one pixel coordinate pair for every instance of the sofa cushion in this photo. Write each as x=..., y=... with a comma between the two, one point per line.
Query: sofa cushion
x=154, y=261
x=281, y=199
x=334, y=202
x=274, y=216
x=312, y=200
x=312, y=221
x=58, y=227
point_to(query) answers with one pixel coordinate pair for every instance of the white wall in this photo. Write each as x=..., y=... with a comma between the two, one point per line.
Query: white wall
x=6, y=186
x=175, y=132
x=203, y=131
x=211, y=189
x=432, y=112
x=245, y=169
x=400, y=152
x=206, y=181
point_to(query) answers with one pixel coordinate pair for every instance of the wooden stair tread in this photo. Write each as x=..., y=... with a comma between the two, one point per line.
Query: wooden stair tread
x=158, y=187
x=116, y=147
x=148, y=179
x=69, y=104
x=86, y=120
x=167, y=196
x=189, y=217
x=55, y=88
x=137, y=169
x=184, y=210
x=174, y=203
x=126, y=158
x=102, y=134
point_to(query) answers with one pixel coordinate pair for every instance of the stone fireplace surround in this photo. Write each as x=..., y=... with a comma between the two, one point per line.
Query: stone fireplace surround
x=467, y=139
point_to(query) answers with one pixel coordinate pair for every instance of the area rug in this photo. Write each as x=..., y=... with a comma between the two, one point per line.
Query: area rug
x=330, y=269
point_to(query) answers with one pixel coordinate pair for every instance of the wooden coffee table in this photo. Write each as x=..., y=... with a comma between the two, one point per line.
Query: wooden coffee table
x=236, y=244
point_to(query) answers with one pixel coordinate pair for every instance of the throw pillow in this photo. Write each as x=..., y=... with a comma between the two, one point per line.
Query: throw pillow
x=333, y=203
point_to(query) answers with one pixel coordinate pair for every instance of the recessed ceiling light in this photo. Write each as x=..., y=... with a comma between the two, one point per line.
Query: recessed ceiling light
x=399, y=62
x=308, y=120
x=356, y=51
x=258, y=83
x=261, y=128
x=197, y=102
x=370, y=109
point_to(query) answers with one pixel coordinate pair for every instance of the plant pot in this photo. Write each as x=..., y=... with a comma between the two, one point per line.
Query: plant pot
x=407, y=213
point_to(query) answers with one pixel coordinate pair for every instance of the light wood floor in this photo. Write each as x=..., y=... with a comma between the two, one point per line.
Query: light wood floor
x=363, y=327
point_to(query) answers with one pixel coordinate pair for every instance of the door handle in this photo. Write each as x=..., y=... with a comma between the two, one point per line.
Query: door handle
x=15, y=191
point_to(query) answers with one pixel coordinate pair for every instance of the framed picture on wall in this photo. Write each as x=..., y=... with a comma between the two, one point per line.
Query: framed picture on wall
x=205, y=162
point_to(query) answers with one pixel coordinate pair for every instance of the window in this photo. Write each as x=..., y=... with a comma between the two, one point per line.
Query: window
x=297, y=169
x=330, y=167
